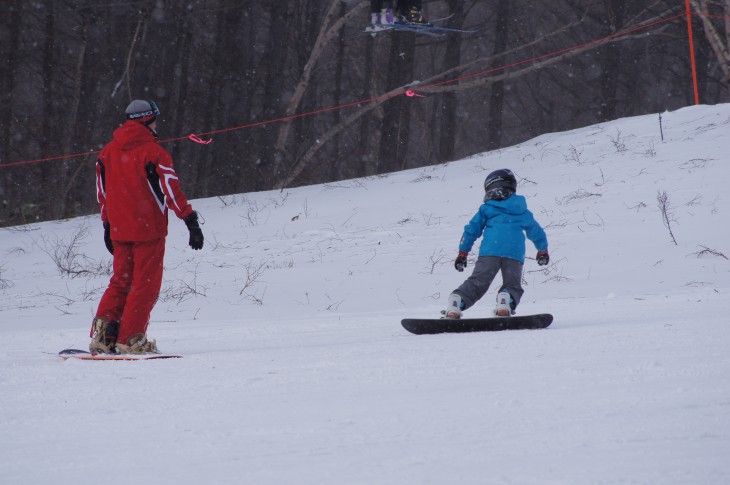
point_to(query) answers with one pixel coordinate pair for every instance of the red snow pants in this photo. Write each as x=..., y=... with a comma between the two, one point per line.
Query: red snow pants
x=134, y=286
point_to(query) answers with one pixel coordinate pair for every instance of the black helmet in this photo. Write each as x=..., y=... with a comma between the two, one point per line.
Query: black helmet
x=500, y=184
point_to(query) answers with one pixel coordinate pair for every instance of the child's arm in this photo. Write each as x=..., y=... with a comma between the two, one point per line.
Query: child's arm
x=472, y=231
x=536, y=234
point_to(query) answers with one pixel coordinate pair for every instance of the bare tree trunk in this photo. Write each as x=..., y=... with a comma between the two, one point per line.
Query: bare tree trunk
x=720, y=46
x=7, y=86
x=496, y=100
x=727, y=22
x=241, y=160
x=326, y=34
x=7, y=79
x=127, y=74
x=396, y=122
x=78, y=75
x=448, y=115
x=341, y=44
x=51, y=178
x=73, y=111
x=49, y=64
x=611, y=62
x=322, y=140
x=228, y=23
x=366, y=145
x=179, y=81
x=275, y=55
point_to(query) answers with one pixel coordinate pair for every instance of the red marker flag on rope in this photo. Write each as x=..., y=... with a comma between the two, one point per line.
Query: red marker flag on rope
x=197, y=139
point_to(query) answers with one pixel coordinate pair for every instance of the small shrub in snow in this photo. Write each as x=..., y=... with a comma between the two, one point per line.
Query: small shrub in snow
x=665, y=207
x=707, y=252
x=69, y=259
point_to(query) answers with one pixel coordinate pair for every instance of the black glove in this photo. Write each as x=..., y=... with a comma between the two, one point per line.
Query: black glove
x=460, y=262
x=196, y=235
x=543, y=257
x=108, y=238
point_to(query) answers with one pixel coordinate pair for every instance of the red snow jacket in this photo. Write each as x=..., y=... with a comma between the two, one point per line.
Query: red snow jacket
x=135, y=185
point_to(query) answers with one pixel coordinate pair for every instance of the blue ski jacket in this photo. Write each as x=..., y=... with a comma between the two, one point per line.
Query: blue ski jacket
x=504, y=224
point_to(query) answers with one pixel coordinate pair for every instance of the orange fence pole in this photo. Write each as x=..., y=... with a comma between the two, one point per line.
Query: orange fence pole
x=692, y=53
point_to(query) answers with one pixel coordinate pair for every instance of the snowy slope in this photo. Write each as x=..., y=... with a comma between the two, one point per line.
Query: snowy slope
x=296, y=369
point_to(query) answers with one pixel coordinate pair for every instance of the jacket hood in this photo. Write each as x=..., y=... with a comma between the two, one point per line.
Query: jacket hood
x=133, y=134
x=514, y=204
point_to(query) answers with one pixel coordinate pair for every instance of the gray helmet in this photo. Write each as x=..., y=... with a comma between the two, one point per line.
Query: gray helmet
x=146, y=112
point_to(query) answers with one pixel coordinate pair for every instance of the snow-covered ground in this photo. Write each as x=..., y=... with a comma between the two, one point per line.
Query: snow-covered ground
x=296, y=368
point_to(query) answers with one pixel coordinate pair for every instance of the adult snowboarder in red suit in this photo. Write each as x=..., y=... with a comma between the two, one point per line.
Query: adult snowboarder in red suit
x=136, y=185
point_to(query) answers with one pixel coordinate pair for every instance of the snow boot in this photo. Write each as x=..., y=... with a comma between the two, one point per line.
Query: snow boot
x=504, y=304
x=138, y=344
x=455, y=305
x=104, y=334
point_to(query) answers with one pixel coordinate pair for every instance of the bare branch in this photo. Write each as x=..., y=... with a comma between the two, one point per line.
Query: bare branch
x=127, y=68
x=302, y=162
x=540, y=64
x=326, y=34
x=705, y=251
x=665, y=207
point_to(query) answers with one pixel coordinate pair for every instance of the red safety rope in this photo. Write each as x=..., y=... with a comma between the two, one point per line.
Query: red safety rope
x=60, y=157
x=411, y=92
x=556, y=53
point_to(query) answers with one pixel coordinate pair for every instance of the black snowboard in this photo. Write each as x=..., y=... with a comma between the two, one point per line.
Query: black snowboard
x=421, y=326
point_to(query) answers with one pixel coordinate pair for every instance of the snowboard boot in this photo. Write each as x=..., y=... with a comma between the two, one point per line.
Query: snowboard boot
x=412, y=16
x=504, y=304
x=380, y=20
x=138, y=344
x=387, y=17
x=455, y=305
x=374, y=21
x=104, y=334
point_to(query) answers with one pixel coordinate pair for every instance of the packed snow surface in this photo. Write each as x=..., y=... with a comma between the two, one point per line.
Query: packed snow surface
x=295, y=368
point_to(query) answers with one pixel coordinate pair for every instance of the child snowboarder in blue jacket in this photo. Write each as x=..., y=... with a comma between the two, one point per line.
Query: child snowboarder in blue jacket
x=503, y=220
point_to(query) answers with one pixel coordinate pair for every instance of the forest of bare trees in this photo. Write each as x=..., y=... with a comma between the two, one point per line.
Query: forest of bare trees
x=228, y=69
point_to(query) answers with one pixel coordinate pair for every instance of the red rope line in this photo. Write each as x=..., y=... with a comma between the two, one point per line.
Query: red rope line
x=556, y=53
x=60, y=157
x=286, y=118
x=712, y=16
x=372, y=100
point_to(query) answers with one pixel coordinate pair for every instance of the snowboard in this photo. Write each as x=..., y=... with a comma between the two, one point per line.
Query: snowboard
x=431, y=30
x=84, y=355
x=423, y=326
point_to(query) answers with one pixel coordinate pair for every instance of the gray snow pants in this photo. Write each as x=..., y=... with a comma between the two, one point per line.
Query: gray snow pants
x=484, y=272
